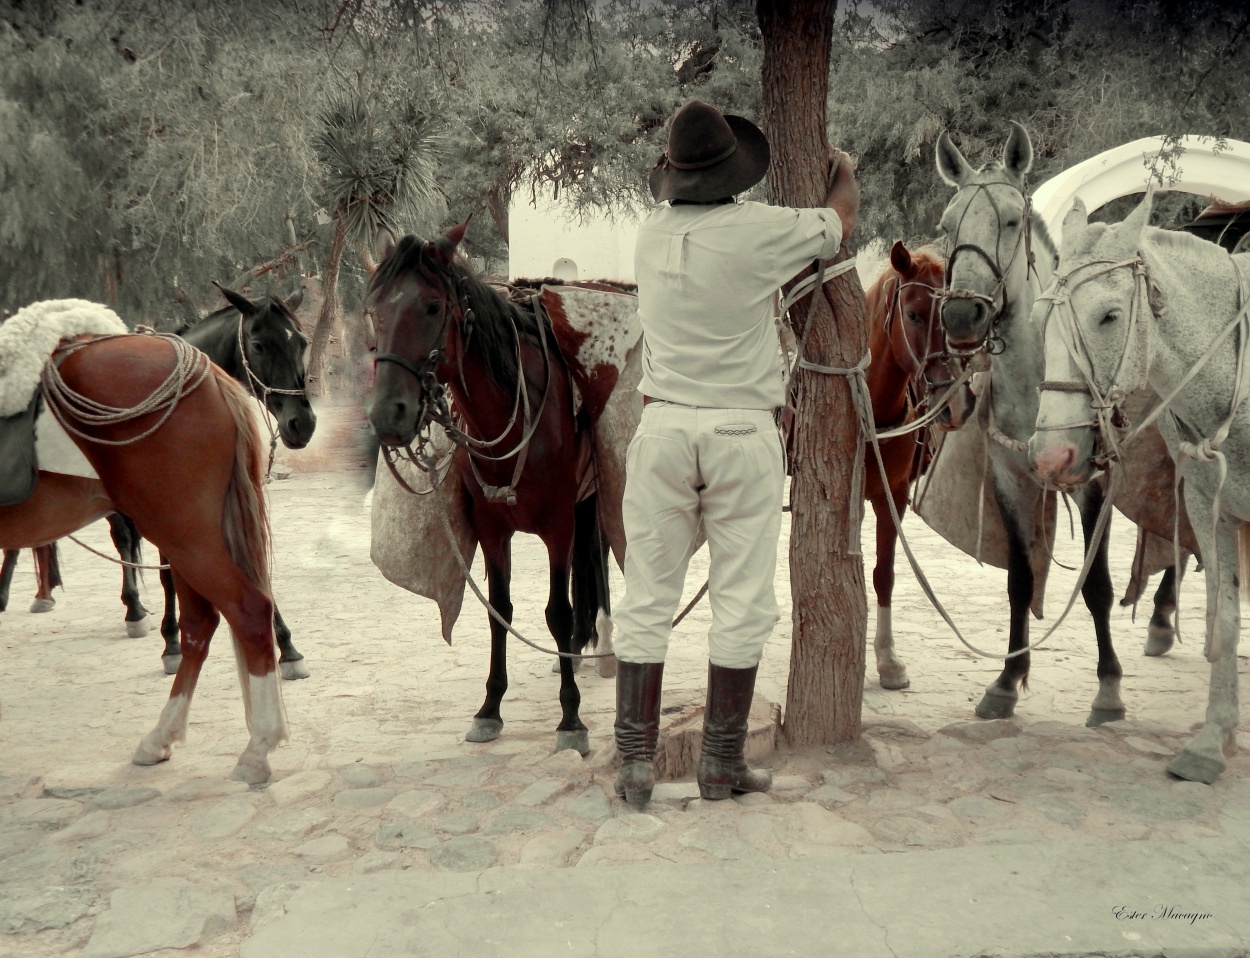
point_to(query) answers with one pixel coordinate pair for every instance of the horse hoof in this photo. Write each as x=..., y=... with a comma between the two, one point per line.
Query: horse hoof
x=297, y=669
x=997, y=704
x=893, y=677
x=1194, y=767
x=578, y=739
x=1099, y=717
x=577, y=664
x=253, y=771
x=138, y=629
x=606, y=667
x=42, y=605
x=171, y=663
x=1159, y=639
x=484, y=730
x=149, y=753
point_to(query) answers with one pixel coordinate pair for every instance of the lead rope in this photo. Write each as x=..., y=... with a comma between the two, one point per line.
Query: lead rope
x=863, y=409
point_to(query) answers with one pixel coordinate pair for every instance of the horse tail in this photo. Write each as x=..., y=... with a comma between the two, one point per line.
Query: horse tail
x=245, y=521
x=592, y=604
x=1243, y=559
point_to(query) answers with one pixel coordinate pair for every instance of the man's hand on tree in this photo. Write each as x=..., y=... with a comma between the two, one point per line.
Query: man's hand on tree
x=843, y=190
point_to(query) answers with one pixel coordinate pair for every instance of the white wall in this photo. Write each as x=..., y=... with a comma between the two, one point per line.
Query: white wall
x=601, y=248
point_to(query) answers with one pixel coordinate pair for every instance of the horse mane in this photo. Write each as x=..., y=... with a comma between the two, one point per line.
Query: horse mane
x=494, y=317
x=1040, y=233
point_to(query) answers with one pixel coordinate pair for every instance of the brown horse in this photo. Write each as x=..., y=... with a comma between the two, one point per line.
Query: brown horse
x=910, y=370
x=215, y=531
x=522, y=451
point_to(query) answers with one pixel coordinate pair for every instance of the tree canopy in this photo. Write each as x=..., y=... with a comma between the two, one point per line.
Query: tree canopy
x=152, y=147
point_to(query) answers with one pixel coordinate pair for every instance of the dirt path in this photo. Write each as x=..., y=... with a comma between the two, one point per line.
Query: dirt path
x=94, y=852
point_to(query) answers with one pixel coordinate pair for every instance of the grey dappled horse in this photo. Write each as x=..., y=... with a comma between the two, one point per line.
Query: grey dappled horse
x=1143, y=305
x=999, y=257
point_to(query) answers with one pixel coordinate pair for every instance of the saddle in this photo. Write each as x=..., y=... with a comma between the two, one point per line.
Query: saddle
x=27, y=339
x=19, y=466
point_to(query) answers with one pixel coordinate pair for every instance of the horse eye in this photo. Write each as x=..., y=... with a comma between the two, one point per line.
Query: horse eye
x=258, y=347
x=912, y=317
x=432, y=309
x=1012, y=224
x=1111, y=317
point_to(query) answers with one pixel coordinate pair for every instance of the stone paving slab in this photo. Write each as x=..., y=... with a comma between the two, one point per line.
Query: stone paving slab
x=1139, y=899
x=377, y=779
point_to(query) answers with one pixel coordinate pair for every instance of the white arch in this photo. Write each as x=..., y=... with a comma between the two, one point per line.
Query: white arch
x=1121, y=172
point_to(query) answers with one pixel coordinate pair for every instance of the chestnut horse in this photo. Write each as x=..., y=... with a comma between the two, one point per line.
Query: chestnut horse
x=261, y=344
x=215, y=530
x=521, y=450
x=910, y=369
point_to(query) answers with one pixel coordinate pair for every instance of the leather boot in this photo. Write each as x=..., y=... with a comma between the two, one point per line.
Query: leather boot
x=722, y=768
x=637, y=728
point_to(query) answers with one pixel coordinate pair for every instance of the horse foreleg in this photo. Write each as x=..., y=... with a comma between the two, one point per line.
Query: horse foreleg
x=1001, y=696
x=487, y=723
x=1161, y=632
x=127, y=542
x=47, y=576
x=1203, y=757
x=199, y=622
x=1097, y=592
x=570, y=733
x=6, y=575
x=171, y=658
x=290, y=662
x=891, y=672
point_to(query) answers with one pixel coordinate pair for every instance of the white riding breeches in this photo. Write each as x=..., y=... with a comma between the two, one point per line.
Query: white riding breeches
x=724, y=467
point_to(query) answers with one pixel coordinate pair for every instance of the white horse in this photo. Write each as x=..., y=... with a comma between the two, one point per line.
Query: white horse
x=1135, y=305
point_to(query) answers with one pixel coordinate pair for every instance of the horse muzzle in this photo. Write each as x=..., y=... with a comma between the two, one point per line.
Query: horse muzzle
x=966, y=322
x=1059, y=461
x=296, y=425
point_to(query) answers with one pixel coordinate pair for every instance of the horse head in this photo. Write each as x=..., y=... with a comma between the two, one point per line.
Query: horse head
x=917, y=338
x=272, y=351
x=418, y=305
x=986, y=225
x=1096, y=317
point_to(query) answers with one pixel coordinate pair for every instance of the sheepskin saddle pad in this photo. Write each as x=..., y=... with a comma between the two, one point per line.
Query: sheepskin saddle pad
x=27, y=339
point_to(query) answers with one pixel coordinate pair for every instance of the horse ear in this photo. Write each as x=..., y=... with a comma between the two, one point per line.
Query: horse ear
x=1139, y=219
x=1018, y=153
x=951, y=165
x=900, y=259
x=295, y=300
x=455, y=235
x=237, y=300
x=383, y=242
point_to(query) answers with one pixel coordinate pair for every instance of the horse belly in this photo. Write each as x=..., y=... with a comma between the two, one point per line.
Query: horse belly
x=59, y=505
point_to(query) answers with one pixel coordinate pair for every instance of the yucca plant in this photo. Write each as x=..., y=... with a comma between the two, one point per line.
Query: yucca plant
x=378, y=163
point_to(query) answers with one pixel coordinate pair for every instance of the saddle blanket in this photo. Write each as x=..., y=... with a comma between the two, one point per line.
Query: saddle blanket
x=55, y=450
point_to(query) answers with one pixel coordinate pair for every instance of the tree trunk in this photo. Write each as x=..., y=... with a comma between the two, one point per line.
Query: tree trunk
x=328, y=320
x=824, y=697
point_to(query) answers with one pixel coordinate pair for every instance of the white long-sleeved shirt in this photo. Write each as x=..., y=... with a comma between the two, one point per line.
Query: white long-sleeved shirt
x=706, y=276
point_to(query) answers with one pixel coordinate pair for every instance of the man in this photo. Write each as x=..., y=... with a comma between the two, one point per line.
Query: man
x=706, y=449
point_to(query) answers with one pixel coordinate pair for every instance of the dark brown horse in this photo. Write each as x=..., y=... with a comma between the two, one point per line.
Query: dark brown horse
x=910, y=369
x=521, y=449
x=215, y=531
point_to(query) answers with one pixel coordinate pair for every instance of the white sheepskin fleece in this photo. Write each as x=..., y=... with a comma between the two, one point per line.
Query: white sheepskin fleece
x=28, y=337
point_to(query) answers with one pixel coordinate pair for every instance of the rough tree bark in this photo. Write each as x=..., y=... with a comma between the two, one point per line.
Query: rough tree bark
x=824, y=697
x=328, y=319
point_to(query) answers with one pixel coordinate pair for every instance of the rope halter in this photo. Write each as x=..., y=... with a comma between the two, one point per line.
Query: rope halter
x=1106, y=402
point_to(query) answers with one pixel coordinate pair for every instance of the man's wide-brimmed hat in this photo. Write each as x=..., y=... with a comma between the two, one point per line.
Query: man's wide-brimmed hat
x=710, y=156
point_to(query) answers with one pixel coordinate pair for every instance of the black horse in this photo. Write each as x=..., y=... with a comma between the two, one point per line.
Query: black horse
x=262, y=346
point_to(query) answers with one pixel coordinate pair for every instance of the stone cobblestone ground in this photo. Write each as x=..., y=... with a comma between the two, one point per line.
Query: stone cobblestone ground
x=102, y=858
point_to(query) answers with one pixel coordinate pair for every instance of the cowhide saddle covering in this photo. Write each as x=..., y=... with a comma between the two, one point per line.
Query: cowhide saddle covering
x=596, y=329
x=31, y=438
